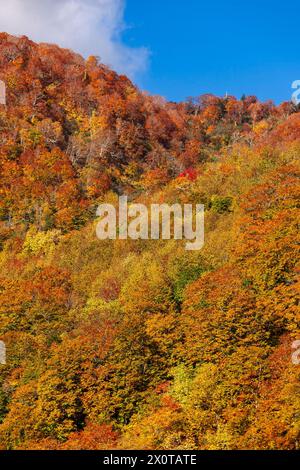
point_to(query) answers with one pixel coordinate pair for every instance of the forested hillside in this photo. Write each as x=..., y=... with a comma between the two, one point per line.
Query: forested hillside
x=141, y=344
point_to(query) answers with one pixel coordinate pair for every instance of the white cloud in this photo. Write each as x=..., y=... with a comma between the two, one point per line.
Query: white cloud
x=90, y=27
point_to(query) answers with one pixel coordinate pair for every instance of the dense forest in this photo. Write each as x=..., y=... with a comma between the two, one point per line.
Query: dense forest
x=141, y=344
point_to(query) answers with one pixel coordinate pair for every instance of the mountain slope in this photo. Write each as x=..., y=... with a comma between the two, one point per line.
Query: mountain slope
x=141, y=344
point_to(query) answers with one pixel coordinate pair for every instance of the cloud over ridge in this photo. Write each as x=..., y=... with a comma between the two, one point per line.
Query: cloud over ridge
x=90, y=27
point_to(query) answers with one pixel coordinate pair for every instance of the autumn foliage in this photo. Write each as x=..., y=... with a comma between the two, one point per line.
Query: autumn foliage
x=141, y=344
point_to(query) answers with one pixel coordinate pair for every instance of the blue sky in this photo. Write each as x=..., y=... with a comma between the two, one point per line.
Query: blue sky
x=216, y=46
x=175, y=48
